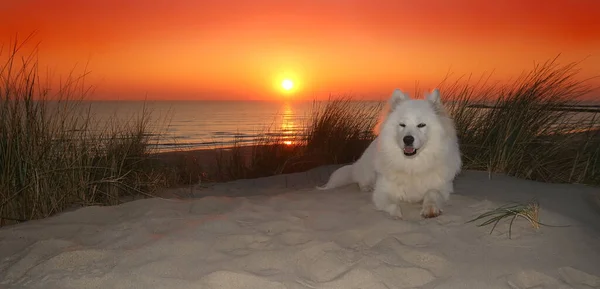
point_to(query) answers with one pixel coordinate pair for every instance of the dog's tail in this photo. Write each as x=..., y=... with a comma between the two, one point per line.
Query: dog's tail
x=340, y=177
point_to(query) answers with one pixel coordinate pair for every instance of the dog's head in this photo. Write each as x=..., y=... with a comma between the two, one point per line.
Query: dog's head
x=411, y=123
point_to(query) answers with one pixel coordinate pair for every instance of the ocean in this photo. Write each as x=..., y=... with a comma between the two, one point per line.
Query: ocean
x=176, y=125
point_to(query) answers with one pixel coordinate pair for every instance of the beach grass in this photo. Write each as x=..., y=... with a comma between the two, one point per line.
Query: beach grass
x=337, y=132
x=51, y=158
x=526, y=129
x=528, y=211
x=340, y=129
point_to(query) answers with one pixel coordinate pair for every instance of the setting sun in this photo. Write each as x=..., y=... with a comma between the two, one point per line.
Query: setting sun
x=287, y=84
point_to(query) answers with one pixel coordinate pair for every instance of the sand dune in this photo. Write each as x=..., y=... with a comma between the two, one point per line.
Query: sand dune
x=278, y=232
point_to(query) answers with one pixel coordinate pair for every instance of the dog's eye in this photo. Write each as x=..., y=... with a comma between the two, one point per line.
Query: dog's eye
x=402, y=125
x=421, y=125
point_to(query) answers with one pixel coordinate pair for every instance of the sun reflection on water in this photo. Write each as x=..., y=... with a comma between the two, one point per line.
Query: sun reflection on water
x=288, y=126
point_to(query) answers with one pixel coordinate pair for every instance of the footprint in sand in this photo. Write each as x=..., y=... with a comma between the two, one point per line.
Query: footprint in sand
x=265, y=263
x=83, y=262
x=325, y=261
x=326, y=221
x=460, y=284
x=34, y=255
x=386, y=228
x=350, y=239
x=577, y=278
x=404, y=277
x=414, y=239
x=532, y=279
x=428, y=260
x=232, y=280
x=449, y=220
x=295, y=238
x=356, y=278
x=239, y=244
x=391, y=251
x=219, y=226
x=274, y=227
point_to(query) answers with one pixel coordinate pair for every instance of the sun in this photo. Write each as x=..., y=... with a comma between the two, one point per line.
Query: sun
x=287, y=84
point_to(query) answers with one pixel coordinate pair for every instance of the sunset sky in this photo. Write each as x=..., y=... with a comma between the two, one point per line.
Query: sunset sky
x=244, y=49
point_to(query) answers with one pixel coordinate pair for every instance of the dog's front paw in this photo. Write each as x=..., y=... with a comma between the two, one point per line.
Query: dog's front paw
x=430, y=211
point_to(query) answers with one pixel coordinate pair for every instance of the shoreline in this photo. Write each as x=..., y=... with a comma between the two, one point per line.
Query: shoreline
x=183, y=149
x=208, y=158
x=171, y=147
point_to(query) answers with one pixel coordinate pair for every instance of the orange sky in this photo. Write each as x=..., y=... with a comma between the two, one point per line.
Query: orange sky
x=242, y=49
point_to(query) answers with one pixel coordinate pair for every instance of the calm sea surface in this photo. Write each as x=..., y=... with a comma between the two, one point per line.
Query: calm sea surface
x=210, y=124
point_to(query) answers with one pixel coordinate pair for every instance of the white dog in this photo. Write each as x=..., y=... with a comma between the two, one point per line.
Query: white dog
x=415, y=158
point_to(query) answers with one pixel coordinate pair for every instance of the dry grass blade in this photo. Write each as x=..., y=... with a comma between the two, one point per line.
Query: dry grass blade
x=529, y=211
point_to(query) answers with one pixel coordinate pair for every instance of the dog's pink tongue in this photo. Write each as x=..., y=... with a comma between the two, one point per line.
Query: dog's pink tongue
x=409, y=150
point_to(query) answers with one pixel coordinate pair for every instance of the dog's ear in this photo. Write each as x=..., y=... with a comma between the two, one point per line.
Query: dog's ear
x=434, y=98
x=397, y=97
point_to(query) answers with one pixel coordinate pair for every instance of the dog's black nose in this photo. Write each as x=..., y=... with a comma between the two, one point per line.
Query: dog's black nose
x=408, y=140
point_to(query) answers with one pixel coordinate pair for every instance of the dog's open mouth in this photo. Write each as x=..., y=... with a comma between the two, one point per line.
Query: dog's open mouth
x=410, y=151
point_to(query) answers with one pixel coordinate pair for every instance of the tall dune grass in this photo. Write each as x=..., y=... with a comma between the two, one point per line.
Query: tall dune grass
x=525, y=129
x=340, y=129
x=51, y=157
x=267, y=156
x=337, y=132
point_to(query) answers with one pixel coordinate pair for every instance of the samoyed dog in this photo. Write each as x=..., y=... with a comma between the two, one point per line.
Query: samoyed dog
x=415, y=157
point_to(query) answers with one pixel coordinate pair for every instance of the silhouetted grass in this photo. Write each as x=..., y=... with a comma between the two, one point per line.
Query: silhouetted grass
x=51, y=157
x=266, y=157
x=525, y=129
x=338, y=131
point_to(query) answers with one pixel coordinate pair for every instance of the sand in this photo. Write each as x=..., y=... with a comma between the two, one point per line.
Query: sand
x=279, y=232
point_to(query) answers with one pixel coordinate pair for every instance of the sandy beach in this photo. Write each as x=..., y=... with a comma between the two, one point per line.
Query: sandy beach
x=278, y=232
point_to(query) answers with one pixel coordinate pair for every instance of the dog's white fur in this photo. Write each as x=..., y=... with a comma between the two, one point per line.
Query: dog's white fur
x=427, y=176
